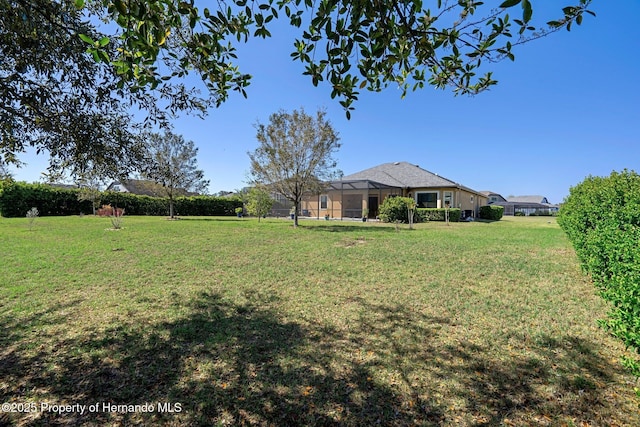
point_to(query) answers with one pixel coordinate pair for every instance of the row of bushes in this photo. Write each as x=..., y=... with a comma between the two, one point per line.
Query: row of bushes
x=183, y=206
x=16, y=198
x=396, y=209
x=434, y=214
x=601, y=217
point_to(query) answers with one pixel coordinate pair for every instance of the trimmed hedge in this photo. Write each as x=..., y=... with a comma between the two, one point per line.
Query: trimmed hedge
x=136, y=205
x=491, y=212
x=16, y=198
x=601, y=217
x=206, y=206
x=438, y=214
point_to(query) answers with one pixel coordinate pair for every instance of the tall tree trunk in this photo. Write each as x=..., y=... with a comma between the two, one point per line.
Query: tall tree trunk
x=171, y=208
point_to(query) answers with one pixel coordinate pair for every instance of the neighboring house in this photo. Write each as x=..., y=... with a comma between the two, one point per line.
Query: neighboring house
x=144, y=188
x=525, y=205
x=349, y=196
x=529, y=199
x=493, y=197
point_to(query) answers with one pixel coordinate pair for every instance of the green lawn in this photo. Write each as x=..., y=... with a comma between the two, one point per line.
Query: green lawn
x=236, y=322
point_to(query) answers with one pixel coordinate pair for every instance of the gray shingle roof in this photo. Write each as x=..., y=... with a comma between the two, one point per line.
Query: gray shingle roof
x=528, y=199
x=403, y=175
x=148, y=188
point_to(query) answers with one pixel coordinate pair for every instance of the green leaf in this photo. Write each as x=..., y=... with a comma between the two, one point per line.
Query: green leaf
x=85, y=38
x=102, y=55
x=509, y=3
x=103, y=41
x=79, y=4
x=120, y=6
x=527, y=10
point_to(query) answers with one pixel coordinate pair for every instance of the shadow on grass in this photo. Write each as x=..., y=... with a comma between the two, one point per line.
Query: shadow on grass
x=227, y=364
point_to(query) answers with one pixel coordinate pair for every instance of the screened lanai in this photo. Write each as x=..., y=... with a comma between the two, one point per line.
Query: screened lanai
x=349, y=199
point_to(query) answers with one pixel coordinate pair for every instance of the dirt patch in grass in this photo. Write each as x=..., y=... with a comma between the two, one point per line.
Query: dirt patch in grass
x=351, y=242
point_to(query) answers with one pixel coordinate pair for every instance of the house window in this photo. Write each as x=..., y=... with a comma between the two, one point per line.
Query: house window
x=448, y=198
x=427, y=200
x=323, y=202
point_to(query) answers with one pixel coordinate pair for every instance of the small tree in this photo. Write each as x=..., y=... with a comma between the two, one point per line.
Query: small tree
x=447, y=206
x=173, y=164
x=32, y=214
x=294, y=155
x=90, y=190
x=259, y=202
x=411, y=208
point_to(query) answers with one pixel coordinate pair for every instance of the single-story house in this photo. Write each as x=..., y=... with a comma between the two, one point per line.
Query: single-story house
x=525, y=205
x=143, y=187
x=351, y=195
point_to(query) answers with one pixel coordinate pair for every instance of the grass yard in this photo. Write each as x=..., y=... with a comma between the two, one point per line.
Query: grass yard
x=227, y=321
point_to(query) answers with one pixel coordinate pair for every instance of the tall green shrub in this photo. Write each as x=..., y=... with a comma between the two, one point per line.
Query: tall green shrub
x=396, y=209
x=491, y=212
x=601, y=217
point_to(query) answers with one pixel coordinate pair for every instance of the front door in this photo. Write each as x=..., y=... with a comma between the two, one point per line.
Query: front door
x=373, y=206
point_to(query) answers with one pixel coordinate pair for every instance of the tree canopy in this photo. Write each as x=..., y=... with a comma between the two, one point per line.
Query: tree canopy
x=5, y=174
x=55, y=95
x=73, y=71
x=351, y=44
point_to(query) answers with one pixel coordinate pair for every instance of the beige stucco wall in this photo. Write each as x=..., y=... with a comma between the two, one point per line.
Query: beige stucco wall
x=354, y=201
x=462, y=199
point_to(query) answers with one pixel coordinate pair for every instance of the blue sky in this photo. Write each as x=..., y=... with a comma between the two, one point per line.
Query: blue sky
x=568, y=107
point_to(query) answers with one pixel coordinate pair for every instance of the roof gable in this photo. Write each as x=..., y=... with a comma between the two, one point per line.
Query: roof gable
x=493, y=197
